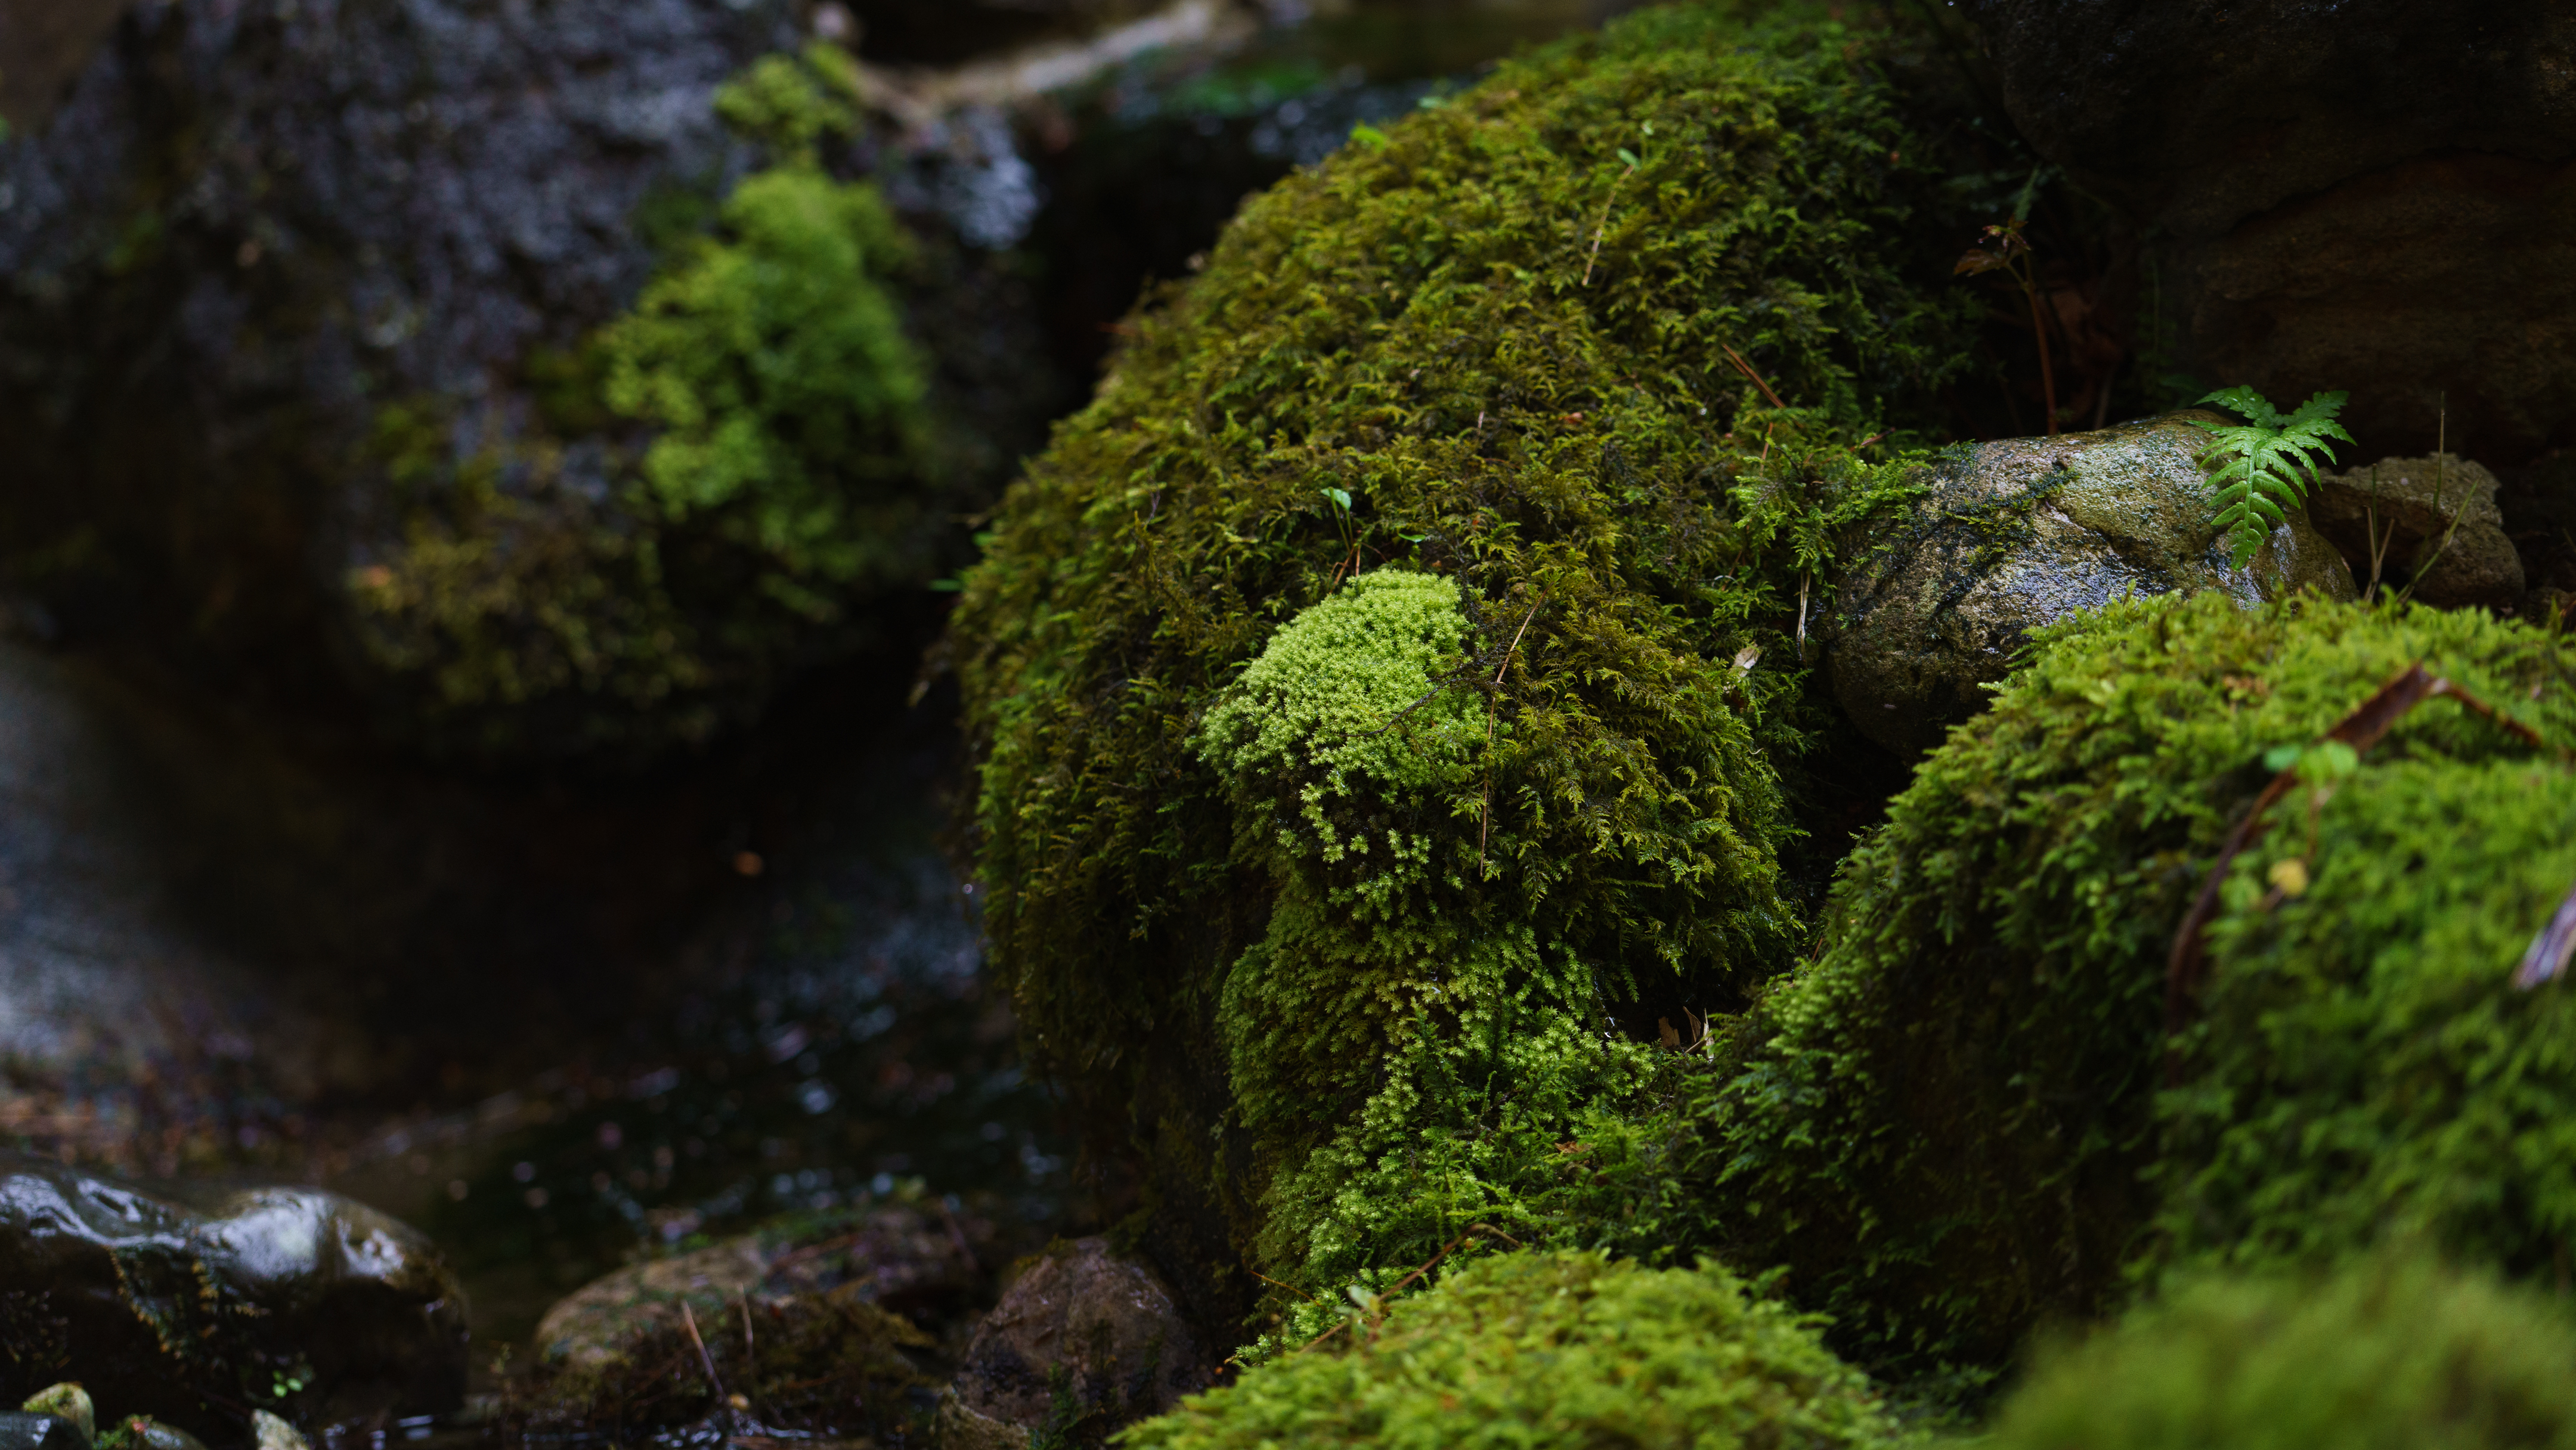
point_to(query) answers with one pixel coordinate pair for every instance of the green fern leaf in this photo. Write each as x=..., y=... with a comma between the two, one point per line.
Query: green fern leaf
x=2266, y=463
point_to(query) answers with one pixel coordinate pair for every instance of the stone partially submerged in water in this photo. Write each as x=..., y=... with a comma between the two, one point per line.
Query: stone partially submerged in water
x=2012, y=536
x=186, y=1307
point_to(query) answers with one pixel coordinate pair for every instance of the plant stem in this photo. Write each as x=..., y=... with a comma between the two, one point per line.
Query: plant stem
x=2039, y=331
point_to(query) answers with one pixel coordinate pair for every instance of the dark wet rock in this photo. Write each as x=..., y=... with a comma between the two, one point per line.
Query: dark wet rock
x=1082, y=1340
x=23, y=1431
x=823, y=1327
x=2015, y=534
x=2413, y=504
x=904, y=1257
x=183, y=1307
x=143, y=1432
x=2369, y=197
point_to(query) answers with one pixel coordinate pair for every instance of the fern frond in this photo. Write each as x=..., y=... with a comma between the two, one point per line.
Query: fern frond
x=2269, y=461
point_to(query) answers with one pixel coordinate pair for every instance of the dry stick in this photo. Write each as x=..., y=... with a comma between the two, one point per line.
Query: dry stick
x=1427, y=1266
x=1802, y=617
x=704, y=1358
x=1746, y=368
x=742, y=1297
x=1485, y=822
x=2361, y=730
x=2441, y=443
x=1603, y=228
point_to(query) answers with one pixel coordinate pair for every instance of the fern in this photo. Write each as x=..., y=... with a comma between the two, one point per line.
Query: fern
x=2266, y=457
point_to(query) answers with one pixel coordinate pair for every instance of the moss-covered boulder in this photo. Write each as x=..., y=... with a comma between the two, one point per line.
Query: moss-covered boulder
x=1969, y=1113
x=1549, y=1349
x=2386, y=1353
x=1385, y=685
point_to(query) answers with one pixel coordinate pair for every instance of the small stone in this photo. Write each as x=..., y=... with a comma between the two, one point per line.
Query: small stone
x=2014, y=535
x=272, y=1433
x=143, y=1432
x=68, y=1400
x=1081, y=1323
x=2412, y=503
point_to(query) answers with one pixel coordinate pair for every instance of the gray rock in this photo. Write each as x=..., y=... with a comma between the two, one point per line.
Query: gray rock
x=2013, y=535
x=185, y=1306
x=2368, y=196
x=23, y=1431
x=1081, y=1333
x=2412, y=503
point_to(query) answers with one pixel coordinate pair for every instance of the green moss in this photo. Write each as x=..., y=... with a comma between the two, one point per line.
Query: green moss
x=2387, y=1353
x=1549, y=1349
x=1504, y=345
x=1950, y=1125
x=718, y=484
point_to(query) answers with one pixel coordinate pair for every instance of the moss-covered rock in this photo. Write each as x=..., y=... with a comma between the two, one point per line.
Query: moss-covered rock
x=2389, y=1352
x=1550, y=1349
x=1481, y=356
x=720, y=483
x=1951, y=1124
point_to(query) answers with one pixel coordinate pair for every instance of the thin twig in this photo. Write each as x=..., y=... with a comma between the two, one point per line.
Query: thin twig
x=1746, y=368
x=1802, y=616
x=2368, y=723
x=1463, y=1235
x=1603, y=227
x=2441, y=456
x=1485, y=814
x=704, y=1358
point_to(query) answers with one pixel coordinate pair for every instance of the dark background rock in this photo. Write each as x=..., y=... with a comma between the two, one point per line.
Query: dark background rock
x=192, y=1310
x=2378, y=196
x=1083, y=1342
x=2437, y=526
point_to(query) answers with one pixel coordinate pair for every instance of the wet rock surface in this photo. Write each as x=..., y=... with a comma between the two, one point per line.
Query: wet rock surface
x=2313, y=178
x=2012, y=535
x=833, y=1324
x=1084, y=1341
x=2413, y=504
x=187, y=1308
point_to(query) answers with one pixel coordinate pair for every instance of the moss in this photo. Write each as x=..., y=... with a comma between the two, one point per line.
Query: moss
x=1549, y=1349
x=2390, y=1352
x=1950, y=1124
x=718, y=484
x=1492, y=351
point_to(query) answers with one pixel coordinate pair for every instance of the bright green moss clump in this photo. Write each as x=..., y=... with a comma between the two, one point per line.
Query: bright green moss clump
x=2386, y=1355
x=1550, y=1349
x=1484, y=350
x=1952, y=1124
x=728, y=476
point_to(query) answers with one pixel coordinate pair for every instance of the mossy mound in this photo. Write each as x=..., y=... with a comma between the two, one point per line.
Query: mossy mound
x=1487, y=347
x=2387, y=1353
x=1952, y=1124
x=1549, y=1349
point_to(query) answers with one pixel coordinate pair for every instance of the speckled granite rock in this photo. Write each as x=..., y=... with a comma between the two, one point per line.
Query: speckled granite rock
x=2014, y=534
x=183, y=1308
x=2412, y=503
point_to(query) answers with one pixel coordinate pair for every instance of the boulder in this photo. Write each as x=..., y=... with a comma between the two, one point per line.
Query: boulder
x=1083, y=1338
x=2413, y=503
x=24, y=1431
x=183, y=1305
x=2013, y=535
x=2373, y=201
